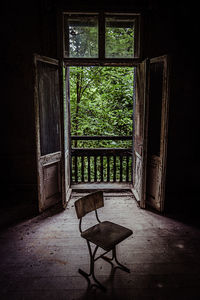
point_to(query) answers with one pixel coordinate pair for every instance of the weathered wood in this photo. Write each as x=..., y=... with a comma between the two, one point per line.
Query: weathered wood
x=140, y=132
x=75, y=169
x=127, y=168
x=88, y=203
x=157, y=131
x=108, y=168
x=48, y=131
x=101, y=151
x=82, y=168
x=154, y=168
x=88, y=158
x=71, y=168
x=95, y=168
x=102, y=162
x=65, y=134
x=157, y=257
x=114, y=168
x=121, y=168
x=118, y=62
x=105, y=186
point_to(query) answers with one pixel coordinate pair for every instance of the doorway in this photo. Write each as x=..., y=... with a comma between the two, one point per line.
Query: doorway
x=101, y=101
x=145, y=174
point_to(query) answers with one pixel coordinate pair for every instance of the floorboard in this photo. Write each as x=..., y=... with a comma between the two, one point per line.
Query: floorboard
x=105, y=186
x=40, y=257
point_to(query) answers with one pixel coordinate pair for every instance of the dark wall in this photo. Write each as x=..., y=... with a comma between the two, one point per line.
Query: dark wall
x=174, y=30
x=32, y=28
x=20, y=38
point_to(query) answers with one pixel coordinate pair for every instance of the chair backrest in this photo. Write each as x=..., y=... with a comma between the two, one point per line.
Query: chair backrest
x=89, y=203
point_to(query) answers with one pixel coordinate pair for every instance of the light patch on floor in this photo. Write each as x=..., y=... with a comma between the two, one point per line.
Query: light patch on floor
x=40, y=257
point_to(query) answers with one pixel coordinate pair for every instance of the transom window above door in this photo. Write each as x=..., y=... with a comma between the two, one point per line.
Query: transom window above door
x=104, y=36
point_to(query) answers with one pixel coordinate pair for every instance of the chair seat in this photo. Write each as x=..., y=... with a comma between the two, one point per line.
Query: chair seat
x=106, y=234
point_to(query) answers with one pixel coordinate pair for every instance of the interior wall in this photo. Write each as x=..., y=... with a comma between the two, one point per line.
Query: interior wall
x=31, y=27
x=173, y=30
x=20, y=38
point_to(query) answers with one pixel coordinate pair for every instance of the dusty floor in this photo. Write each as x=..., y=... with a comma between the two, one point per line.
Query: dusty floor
x=40, y=257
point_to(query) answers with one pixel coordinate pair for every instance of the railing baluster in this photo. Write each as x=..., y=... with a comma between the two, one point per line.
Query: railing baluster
x=132, y=168
x=88, y=168
x=127, y=168
x=121, y=167
x=71, y=169
x=82, y=168
x=108, y=168
x=75, y=168
x=109, y=165
x=101, y=162
x=95, y=168
x=114, y=168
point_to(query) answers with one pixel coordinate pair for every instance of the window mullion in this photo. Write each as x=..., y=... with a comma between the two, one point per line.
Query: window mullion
x=101, y=36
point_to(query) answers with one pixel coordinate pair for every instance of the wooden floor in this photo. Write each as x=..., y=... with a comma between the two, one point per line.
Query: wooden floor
x=40, y=257
x=105, y=186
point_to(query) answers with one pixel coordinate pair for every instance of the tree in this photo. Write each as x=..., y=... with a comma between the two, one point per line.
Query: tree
x=101, y=101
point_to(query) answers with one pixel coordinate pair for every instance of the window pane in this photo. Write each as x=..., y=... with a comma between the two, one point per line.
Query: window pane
x=82, y=37
x=119, y=38
x=49, y=108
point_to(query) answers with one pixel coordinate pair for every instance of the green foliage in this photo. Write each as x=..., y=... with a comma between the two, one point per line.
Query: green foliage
x=119, y=42
x=101, y=100
x=83, y=37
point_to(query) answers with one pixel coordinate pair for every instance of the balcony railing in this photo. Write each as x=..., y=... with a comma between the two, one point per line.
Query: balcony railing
x=101, y=164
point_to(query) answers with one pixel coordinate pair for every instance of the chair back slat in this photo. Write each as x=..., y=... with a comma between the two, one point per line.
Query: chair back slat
x=89, y=203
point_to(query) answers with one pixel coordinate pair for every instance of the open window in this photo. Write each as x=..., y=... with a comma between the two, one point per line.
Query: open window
x=101, y=39
x=101, y=36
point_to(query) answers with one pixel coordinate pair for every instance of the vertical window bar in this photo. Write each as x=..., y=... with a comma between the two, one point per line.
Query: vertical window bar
x=101, y=36
x=121, y=167
x=88, y=168
x=95, y=168
x=127, y=168
x=101, y=159
x=66, y=36
x=75, y=168
x=108, y=168
x=114, y=168
x=82, y=168
x=71, y=166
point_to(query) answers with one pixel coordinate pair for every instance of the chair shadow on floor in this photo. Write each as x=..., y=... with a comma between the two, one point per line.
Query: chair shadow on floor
x=94, y=291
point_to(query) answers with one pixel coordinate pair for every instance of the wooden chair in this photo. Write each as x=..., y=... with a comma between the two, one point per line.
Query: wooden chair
x=105, y=235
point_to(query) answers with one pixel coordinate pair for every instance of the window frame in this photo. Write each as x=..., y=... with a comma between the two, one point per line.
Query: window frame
x=101, y=59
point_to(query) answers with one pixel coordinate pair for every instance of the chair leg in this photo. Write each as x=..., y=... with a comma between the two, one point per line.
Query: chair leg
x=114, y=257
x=108, y=259
x=119, y=264
x=87, y=275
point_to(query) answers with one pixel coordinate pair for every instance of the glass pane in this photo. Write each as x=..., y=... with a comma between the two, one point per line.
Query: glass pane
x=83, y=37
x=119, y=38
x=49, y=108
x=155, y=109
